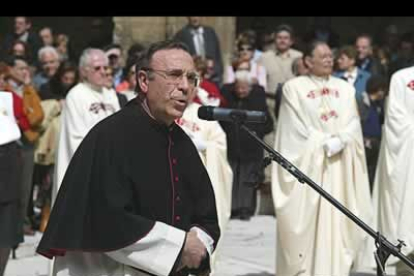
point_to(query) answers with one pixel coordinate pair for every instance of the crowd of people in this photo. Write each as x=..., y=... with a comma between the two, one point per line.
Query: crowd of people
x=115, y=136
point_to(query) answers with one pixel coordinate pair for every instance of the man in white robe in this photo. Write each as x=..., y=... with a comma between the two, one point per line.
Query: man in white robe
x=210, y=141
x=86, y=104
x=393, y=186
x=319, y=132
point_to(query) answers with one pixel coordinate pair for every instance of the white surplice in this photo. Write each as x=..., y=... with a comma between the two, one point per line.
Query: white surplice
x=313, y=237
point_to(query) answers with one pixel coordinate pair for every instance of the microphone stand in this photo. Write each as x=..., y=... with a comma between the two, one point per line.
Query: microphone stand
x=384, y=247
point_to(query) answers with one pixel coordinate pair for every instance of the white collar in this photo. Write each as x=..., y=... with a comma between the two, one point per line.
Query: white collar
x=352, y=74
x=199, y=30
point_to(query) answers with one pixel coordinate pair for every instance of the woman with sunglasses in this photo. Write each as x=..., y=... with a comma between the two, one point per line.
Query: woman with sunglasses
x=245, y=61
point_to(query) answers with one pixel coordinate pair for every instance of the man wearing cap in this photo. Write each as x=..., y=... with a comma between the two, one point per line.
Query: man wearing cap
x=114, y=54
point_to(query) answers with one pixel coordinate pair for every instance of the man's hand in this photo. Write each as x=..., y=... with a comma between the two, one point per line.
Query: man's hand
x=193, y=252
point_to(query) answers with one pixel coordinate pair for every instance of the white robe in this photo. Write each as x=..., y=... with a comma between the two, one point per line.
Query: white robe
x=84, y=107
x=313, y=237
x=394, y=181
x=9, y=130
x=214, y=157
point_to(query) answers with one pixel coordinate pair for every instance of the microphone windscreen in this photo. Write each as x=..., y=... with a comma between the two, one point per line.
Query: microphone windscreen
x=206, y=113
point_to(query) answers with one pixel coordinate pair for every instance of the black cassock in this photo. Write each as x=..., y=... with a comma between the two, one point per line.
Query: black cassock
x=129, y=172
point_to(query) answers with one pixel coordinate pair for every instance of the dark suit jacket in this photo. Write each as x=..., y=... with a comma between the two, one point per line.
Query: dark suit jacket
x=373, y=66
x=249, y=149
x=212, y=47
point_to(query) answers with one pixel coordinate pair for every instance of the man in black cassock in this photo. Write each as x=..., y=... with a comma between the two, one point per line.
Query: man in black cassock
x=136, y=198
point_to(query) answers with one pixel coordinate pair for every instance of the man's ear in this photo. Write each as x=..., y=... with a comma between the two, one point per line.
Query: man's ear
x=143, y=81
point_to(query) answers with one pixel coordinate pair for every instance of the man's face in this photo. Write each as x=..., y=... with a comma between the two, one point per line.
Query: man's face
x=20, y=71
x=109, y=77
x=68, y=78
x=50, y=64
x=115, y=58
x=95, y=70
x=321, y=62
x=242, y=89
x=19, y=50
x=283, y=41
x=20, y=25
x=363, y=47
x=345, y=62
x=168, y=84
x=46, y=36
x=194, y=21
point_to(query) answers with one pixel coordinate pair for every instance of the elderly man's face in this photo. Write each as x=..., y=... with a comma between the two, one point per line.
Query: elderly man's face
x=168, y=84
x=50, y=64
x=242, y=89
x=95, y=72
x=321, y=62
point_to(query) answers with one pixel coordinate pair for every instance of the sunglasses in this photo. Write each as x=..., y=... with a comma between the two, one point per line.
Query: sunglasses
x=245, y=49
x=98, y=68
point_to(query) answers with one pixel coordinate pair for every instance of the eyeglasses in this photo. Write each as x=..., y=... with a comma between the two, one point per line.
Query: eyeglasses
x=176, y=76
x=241, y=49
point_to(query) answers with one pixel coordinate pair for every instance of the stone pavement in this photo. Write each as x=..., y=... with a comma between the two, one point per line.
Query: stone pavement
x=248, y=249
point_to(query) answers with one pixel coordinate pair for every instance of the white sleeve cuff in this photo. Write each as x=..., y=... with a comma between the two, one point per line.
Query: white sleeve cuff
x=205, y=239
x=333, y=146
x=156, y=253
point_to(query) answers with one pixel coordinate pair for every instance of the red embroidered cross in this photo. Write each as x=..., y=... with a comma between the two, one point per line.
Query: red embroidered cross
x=411, y=85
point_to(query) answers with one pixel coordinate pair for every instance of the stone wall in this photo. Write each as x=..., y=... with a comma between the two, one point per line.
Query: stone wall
x=146, y=30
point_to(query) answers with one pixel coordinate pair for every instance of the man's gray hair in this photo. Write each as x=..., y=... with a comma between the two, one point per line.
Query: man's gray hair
x=86, y=54
x=47, y=50
x=243, y=75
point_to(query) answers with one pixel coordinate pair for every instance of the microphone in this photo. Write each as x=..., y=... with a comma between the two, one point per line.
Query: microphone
x=211, y=113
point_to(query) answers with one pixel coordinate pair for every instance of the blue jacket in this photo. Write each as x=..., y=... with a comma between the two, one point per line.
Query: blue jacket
x=359, y=84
